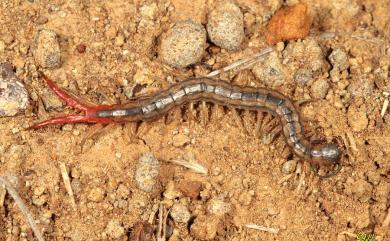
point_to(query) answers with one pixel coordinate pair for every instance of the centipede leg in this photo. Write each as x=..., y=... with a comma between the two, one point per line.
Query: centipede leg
x=270, y=136
x=269, y=123
x=259, y=120
x=204, y=113
x=191, y=114
x=248, y=121
x=238, y=120
x=304, y=102
x=92, y=133
x=216, y=113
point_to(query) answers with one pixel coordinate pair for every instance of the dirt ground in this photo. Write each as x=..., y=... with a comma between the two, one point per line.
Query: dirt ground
x=250, y=180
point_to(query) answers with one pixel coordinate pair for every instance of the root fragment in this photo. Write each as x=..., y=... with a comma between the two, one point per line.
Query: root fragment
x=23, y=208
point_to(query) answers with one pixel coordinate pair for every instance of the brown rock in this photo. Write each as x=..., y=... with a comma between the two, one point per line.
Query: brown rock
x=289, y=23
x=190, y=188
x=205, y=227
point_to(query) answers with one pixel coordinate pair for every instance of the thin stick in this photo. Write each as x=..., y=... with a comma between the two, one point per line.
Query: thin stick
x=196, y=167
x=262, y=228
x=19, y=202
x=241, y=62
x=385, y=103
x=68, y=187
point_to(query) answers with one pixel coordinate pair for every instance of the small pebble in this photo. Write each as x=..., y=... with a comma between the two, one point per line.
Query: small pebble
x=123, y=191
x=119, y=40
x=50, y=100
x=319, y=89
x=361, y=86
x=306, y=54
x=114, y=229
x=13, y=94
x=289, y=23
x=142, y=77
x=205, y=227
x=270, y=71
x=225, y=25
x=357, y=119
x=81, y=48
x=146, y=172
x=180, y=140
x=149, y=11
x=303, y=76
x=47, y=52
x=190, y=188
x=218, y=207
x=38, y=191
x=39, y=201
x=76, y=186
x=338, y=58
x=7, y=38
x=245, y=198
x=171, y=192
x=289, y=166
x=328, y=206
x=96, y=195
x=183, y=44
x=180, y=213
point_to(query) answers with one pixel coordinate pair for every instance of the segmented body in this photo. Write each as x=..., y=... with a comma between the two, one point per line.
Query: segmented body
x=223, y=93
x=201, y=89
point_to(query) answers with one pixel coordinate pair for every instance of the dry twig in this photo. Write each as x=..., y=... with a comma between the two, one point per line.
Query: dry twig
x=262, y=228
x=68, y=187
x=385, y=103
x=19, y=202
x=247, y=61
x=196, y=167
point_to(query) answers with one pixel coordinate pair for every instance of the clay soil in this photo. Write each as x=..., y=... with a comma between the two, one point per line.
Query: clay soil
x=245, y=172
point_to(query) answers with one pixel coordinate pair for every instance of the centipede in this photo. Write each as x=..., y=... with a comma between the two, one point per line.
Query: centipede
x=202, y=89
